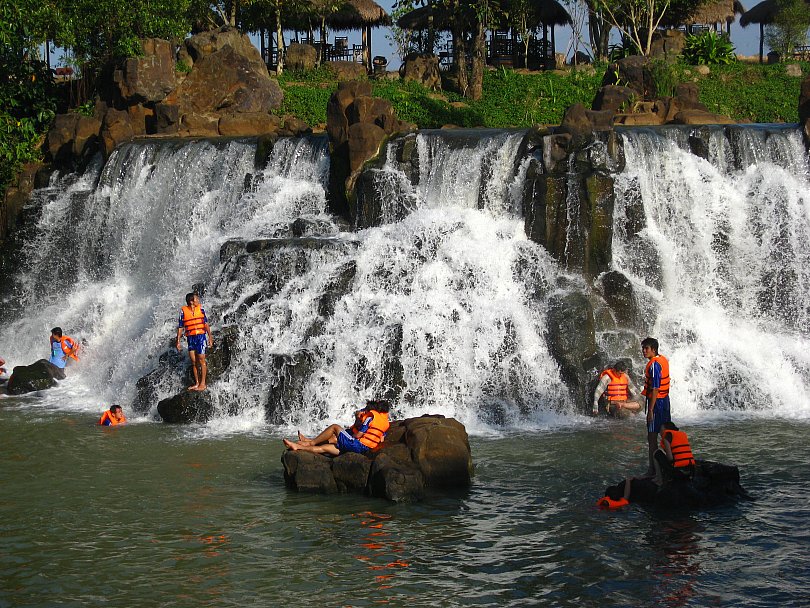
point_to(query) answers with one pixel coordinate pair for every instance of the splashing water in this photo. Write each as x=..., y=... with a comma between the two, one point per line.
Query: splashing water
x=731, y=237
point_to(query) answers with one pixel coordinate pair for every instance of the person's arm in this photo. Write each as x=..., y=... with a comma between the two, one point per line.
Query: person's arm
x=179, y=333
x=604, y=381
x=655, y=384
x=667, y=447
x=362, y=426
x=633, y=389
x=208, y=330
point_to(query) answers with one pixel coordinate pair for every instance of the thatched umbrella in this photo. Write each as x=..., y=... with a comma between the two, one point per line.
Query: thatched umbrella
x=717, y=11
x=763, y=13
x=419, y=18
x=550, y=13
x=360, y=15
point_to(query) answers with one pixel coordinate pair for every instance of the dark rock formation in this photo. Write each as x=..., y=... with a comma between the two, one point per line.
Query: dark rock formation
x=358, y=125
x=38, y=376
x=190, y=406
x=713, y=484
x=633, y=72
x=150, y=77
x=667, y=43
x=431, y=452
x=346, y=70
x=614, y=97
x=572, y=340
x=423, y=69
x=174, y=370
x=300, y=57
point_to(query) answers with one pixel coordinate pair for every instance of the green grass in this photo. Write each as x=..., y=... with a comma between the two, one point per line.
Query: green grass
x=752, y=92
x=745, y=92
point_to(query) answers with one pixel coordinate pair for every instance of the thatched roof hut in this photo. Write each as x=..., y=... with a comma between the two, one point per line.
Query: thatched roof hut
x=717, y=11
x=419, y=18
x=359, y=14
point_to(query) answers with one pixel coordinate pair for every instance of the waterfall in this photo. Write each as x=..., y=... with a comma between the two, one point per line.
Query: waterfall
x=443, y=305
x=114, y=253
x=437, y=310
x=722, y=265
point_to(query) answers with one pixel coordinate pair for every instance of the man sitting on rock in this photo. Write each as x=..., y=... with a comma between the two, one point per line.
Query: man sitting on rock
x=367, y=432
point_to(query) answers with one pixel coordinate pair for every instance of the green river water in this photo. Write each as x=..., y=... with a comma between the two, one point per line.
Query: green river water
x=156, y=515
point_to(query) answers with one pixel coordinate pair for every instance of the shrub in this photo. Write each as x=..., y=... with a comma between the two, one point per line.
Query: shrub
x=707, y=48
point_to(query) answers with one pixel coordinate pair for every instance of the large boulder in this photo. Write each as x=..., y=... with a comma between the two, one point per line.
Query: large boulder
x=633, y=72
x=228, y=76
x=431, y=452
x=423, y=69
x=174, y=371
x=115, y=130
x=38, y=376
x=191, y=406
x=713, y=484
x=300, y=57
x=149, y=77
x=358, y=125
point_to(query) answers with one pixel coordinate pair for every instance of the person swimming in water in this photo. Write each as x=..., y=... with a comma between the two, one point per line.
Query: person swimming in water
x=113, y=416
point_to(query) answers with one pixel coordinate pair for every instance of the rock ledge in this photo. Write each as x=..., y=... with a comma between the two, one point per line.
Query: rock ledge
x=418, y=453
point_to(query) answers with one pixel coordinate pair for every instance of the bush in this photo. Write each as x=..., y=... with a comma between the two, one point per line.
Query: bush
x=708, y=48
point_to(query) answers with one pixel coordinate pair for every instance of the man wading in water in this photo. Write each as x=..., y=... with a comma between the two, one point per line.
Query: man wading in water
x=198, y=334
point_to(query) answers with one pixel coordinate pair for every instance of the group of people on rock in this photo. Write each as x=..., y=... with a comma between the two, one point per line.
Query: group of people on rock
x=670, y=458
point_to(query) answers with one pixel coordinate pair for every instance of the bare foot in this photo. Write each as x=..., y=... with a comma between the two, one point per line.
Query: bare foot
x=194, y=388
x=290, y=445
x=202, y=387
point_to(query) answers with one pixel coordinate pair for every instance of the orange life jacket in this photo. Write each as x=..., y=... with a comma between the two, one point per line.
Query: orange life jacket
x=193, y=320
x=679, y=446
x=663, y=390
x=69, y=347
x=619, y=387
x=375, y=433
x=107, y=419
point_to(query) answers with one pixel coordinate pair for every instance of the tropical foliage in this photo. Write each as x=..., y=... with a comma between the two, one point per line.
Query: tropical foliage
x=26, y=95
x=708, y=48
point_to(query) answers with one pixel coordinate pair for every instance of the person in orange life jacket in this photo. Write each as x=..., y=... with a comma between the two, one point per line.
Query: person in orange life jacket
x=656, y=391
x=113, y=416
x=673, y=460
x=194, y=323
x=368, y=431
x=619, y=388
x=62, y=348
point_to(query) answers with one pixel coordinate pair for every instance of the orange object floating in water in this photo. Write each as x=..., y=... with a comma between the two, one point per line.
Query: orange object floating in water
x=608, y=503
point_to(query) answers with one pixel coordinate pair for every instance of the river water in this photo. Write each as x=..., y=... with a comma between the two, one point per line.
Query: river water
x=153, y=515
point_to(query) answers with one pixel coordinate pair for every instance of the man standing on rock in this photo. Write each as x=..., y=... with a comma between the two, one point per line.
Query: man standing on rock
x=656, y=391
x=198, y=334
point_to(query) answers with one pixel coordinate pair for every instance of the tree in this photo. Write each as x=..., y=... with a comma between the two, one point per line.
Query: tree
x=789, y=27
x=635, y=19
x=27, y=102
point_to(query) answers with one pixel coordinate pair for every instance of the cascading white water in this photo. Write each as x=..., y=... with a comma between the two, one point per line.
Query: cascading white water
x=727, y=289
x=110, y=264
x=440, y=311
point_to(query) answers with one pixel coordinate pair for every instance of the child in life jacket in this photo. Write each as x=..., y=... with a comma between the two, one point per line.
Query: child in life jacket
x=367, y=433
x=113, y=416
